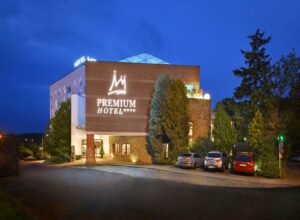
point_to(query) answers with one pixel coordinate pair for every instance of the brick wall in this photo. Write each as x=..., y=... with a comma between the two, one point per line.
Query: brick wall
x=200, y=116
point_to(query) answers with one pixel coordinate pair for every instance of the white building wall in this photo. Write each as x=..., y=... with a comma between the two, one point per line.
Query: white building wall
x=77, y=122
x=59, y=91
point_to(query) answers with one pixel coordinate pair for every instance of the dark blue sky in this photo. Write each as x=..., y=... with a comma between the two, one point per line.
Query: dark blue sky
x=40, y=40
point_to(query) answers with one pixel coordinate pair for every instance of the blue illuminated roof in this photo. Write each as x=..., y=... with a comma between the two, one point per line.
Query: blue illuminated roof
x=144, y=58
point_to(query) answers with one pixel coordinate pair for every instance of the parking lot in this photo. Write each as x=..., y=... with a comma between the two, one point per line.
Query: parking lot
x=200, y=177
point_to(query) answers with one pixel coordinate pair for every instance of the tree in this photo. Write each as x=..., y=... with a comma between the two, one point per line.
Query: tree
x=58, y=134
x=9, y=165
x=224, y=134
x=264, y=147
x=168, y=119
x=256, y=131
x=256, y=85
x=236, y=112
x=101, y=151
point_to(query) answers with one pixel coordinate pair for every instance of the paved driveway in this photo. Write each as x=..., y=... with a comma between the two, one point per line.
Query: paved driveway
x=199, y=176
x=72, y=193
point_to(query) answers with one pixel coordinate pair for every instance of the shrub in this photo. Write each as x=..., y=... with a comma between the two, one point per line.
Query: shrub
x=78, y=157
x=101, y=152
x=202, y=146
x=8, y=156
x=267, y=158
x=25, y=152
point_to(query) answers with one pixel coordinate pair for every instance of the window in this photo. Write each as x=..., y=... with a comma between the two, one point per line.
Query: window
x=125, y=149
x=83, y=147
x=191, y=129
x=166, y=150
x=196, y=156
x=116, y=148
x=69, y=90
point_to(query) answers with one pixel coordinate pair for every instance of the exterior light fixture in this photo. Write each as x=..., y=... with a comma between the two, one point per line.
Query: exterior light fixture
x=206, y=96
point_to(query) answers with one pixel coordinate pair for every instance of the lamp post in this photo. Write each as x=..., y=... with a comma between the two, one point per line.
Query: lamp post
x=281, y=139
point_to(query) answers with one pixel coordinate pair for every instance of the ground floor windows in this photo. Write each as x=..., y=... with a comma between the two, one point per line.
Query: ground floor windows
x=83, y=147
x=126, y=149
x=98, y=144
x=123, y=149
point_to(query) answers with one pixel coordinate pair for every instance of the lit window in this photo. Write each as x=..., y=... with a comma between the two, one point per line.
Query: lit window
x=191, y=129
x=125, y=149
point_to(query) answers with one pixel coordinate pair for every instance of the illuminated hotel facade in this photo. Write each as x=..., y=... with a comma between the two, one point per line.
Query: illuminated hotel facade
x=110, y=104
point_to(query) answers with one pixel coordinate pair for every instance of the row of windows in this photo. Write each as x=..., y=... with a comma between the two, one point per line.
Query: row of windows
x=123, y=149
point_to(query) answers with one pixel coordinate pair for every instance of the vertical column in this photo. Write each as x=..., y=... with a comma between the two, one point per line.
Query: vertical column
x=90, y=149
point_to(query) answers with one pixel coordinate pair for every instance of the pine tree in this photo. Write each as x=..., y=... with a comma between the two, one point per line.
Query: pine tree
x=168, y=119
x=224, y=134
x=58, y=134
x=257, y=85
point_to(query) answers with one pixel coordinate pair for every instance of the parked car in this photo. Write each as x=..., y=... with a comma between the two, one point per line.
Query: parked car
x=295, y=157
x=244, y=163
x=29, y=158
x=189, y=160
x=216, y=160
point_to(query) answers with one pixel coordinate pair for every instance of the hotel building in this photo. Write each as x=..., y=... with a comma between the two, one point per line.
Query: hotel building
x=110, y=104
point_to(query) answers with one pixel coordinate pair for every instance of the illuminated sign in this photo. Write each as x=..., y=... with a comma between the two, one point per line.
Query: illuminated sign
x=82, y=60
x=116, y=106
x=115, y=88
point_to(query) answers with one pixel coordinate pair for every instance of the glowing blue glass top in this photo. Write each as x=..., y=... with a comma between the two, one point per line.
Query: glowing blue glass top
x=144, y=58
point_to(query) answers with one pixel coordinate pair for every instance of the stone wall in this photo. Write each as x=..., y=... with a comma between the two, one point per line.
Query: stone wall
x=138, y=149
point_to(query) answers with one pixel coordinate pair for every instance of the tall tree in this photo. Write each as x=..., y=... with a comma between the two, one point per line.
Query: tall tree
x=168, y=119
x=256, y=131
x=256, y=86
x=58, y=134
x=224, y=134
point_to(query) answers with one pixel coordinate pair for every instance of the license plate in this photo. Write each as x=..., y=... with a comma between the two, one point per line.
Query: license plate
x=243, y=165
x=210, y=166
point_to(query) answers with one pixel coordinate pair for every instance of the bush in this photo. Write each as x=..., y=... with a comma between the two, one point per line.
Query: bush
x=202, y=146
x=101, y=152
x=8, y=156
x=78, y=157
x=267, y=158
x=25, y=152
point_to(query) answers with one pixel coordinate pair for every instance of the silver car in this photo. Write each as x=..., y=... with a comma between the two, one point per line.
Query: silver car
x=189, y=160
x=216, y=159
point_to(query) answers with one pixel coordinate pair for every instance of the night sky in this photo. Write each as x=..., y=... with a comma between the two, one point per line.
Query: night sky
x=40, y=40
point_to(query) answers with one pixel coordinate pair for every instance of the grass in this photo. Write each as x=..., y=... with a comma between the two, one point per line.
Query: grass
x=9, y=210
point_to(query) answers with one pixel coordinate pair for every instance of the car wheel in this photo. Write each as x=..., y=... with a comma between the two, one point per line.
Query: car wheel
x=195, y=165
x=223, y=168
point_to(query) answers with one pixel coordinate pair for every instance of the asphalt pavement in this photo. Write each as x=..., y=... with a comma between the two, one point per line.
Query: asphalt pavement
x=72, y=193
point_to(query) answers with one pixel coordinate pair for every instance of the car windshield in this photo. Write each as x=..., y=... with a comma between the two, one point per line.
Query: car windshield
x=186, y=155
x=214, y=155
x=243, y=158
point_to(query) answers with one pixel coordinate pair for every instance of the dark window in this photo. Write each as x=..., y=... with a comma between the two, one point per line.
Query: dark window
x=186, y=155
x=69, y=90
x=196, y=156
x=243, y=158
x=214, y=155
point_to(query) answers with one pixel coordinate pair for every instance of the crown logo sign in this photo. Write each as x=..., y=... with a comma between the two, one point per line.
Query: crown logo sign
x=117, y=86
